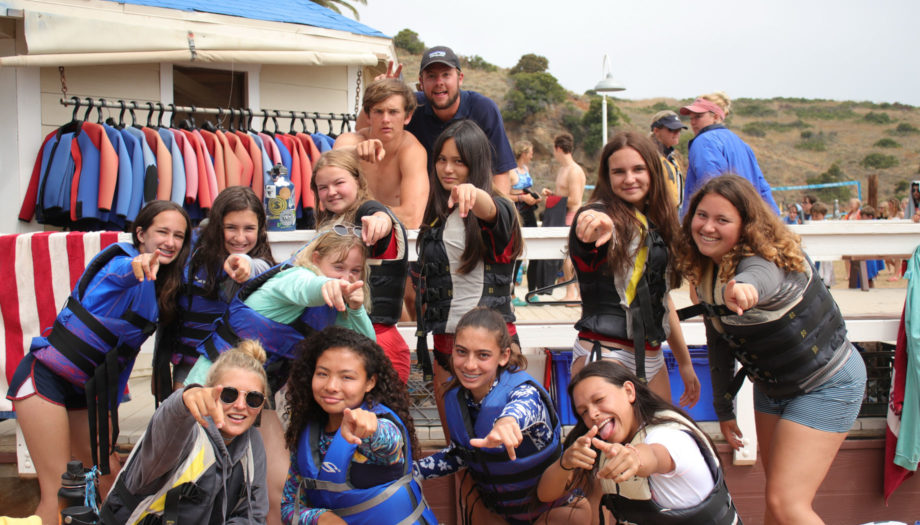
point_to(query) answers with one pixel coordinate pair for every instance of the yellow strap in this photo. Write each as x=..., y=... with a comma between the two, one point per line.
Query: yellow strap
x=639, y=264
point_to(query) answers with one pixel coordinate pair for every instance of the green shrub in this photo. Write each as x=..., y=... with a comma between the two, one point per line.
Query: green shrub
x=814, y=142
x=833, y=174
x=838, y=112
x=904, y=128
x=477, y=62
x=878, y=161
x=571, y=120
x=530, y=63
x=877, y=118
x=754, y=129
x=752, y=108
x=531, y=94
x=408, y=39
x=887, y=143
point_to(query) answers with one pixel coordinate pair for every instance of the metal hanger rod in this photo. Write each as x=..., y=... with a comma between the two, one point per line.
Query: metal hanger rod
x=285, y=113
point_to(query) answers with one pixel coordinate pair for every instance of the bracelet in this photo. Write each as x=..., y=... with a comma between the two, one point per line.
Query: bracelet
x=563, y=466
x=638, y=457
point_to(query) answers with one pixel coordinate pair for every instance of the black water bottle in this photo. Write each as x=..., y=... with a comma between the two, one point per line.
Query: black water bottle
x=73, y=486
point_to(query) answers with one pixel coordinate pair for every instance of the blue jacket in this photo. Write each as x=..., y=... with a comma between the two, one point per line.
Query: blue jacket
x=329, y=481
x=715, y=151
x=507, y=487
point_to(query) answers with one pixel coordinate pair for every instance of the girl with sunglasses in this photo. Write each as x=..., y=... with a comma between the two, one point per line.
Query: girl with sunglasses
x=351, y=437
x=200, y=460
x=231, y=248
x=467, y=245
x=342, y=198
x=324, y=286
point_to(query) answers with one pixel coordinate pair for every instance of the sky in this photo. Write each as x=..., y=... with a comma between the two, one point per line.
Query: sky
x=842, y=50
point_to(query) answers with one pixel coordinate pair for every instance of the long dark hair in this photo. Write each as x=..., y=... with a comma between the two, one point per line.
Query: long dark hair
x=210, y=251
x=659, y=207
x=169, y=276
x=493, y=322
x=476, y=152
x=762, y=231
x=647, y=407
x=388, y=391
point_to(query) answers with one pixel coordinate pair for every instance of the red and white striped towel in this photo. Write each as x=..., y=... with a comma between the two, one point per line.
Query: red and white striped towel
x=37, y=273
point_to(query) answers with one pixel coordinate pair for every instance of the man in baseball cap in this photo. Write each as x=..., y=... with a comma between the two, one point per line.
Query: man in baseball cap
x=441, y=102
x=666, y=127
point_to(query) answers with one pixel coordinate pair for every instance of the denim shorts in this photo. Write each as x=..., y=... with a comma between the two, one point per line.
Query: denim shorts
x=831, y=407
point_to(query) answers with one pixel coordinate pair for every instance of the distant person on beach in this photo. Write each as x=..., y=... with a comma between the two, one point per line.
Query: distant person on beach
x=394, y=163
x=808, y=200
x=565, y=196
x=895, y=212
x=666, y=128
x=716, y=150
x=825, y=268
x=912, y=209
x=853, y=211
x=792, y=215
x=526, y=201
x=441, y=102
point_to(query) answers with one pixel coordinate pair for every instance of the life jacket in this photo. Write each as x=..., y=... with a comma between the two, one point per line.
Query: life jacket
x=241, y=322
x=631, y=501
x=505, y=486
x=778, y=354
x=437, y=287
x=99, y=348
x=646, y=290
x=387, y=279
x=387, y=494
x=180, y=499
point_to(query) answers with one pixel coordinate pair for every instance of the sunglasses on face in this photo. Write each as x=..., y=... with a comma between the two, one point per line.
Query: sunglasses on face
x=254, y=399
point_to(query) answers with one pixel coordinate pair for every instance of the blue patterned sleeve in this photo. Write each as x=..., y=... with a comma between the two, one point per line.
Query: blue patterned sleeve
x=532, y=415
x=385, y=447
x=289, y=503
x=441, y=463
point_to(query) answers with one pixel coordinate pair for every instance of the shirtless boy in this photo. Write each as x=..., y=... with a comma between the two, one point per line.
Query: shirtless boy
x=570, y=185
x=393, y=160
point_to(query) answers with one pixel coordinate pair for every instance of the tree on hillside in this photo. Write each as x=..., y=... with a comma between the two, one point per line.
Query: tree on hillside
x=531, y=94
x=828, y=195
x=408, y=39
x=335, y=4
x=530, y=63
x=593, y=127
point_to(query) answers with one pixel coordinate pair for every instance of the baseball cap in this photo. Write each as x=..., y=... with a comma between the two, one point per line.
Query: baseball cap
x=670, y=121
x=441, y=55
x=701, y=105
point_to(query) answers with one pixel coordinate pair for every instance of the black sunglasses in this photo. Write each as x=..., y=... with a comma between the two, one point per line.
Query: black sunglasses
x=254, y=399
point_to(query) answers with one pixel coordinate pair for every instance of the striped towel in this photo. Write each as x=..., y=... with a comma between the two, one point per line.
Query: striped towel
x=45, y=268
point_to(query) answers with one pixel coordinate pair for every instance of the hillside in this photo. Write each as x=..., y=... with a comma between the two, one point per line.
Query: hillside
x=794, y=139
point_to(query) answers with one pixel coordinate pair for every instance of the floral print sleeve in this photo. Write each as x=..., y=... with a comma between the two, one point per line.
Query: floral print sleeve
x=441, y=463
x=527, y=408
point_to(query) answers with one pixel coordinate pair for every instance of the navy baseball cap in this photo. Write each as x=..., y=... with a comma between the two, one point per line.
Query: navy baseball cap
x=439, y=55
x=671, y=122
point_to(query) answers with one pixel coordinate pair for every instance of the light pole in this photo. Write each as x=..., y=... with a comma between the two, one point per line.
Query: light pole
x=606, y=85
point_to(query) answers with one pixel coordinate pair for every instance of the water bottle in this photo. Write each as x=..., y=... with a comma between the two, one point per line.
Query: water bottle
x=73, y=486
x=79, y=515
x=280, y=208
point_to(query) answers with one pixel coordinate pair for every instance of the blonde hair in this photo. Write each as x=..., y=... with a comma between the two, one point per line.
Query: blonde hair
x=345, y=159
x=720, y=99
x=521, y=147
x=248, y=355
x=328, y=243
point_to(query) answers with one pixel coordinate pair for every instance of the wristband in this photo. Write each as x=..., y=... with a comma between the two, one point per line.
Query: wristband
x=563, y=466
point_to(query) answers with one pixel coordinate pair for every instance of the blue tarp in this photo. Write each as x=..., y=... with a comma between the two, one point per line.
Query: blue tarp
x=302, y=12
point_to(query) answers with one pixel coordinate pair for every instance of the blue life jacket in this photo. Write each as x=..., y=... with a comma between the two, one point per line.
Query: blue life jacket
x=241, y=322
x=360, y=493
x=506, y=487
x=97, y=340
